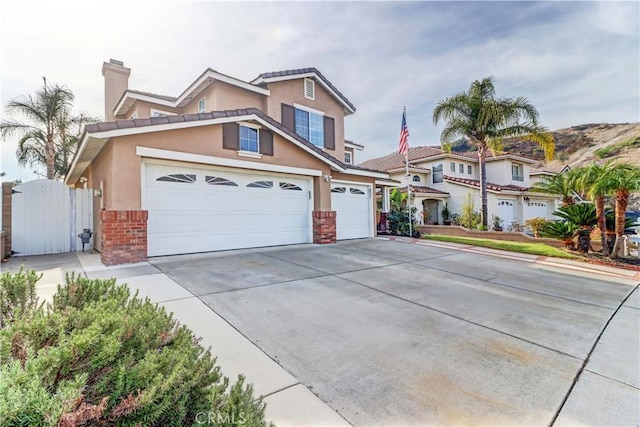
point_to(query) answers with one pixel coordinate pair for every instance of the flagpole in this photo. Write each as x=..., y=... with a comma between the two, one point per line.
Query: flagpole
x=406, y=162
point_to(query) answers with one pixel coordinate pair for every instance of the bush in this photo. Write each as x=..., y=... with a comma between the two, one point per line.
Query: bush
x=399, y=223
x=17, y=294
x=98, y=355
x=470, y=218
x=535, y=225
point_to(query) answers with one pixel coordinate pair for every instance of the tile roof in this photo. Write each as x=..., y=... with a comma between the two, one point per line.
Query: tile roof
x=154, y=121
x=490, y=186
x=293, y=73
x=425, y=190
x=395, y=160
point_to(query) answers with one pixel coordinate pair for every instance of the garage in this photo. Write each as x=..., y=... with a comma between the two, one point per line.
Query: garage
x=353, y=206
x=506, y=211
x=536, y=209
x=209, y=209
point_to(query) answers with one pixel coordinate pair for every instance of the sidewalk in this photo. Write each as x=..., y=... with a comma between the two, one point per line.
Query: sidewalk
x=289, y=403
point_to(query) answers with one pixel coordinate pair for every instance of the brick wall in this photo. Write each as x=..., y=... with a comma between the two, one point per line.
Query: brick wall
x=324, y=227
x=124, y=237
x=6, y=215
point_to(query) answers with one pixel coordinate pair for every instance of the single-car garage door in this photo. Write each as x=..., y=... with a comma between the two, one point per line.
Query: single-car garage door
x=353, y=206
x=199, y=210
x=535, y=209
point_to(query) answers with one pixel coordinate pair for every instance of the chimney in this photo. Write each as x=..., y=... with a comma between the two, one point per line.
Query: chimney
x=116, y=82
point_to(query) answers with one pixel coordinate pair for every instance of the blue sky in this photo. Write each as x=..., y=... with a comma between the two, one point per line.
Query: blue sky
x=577, y=62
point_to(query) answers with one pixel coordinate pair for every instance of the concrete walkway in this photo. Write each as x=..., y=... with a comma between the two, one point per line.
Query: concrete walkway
x=606, y=388
x=289, y=403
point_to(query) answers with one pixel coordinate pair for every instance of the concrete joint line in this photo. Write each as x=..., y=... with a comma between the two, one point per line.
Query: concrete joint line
x=612, y=379
x=586, y=360
x=283, y=389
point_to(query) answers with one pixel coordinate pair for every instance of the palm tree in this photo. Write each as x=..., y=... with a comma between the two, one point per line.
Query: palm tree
x=46, y=138
x=562, y=184
x=624, y=179
x=486, y=121
x=592, y=180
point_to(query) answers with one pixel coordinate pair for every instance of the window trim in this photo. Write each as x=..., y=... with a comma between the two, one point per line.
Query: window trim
x=204, y=105
x=520, y=175
x=349, y=162
x=308, y=109
x=248, y=153
x=313, y=90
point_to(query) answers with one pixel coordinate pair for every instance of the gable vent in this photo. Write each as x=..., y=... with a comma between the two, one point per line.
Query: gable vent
x=309, y=89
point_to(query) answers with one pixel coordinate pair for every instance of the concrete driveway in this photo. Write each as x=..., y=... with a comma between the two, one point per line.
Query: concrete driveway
x=393, y=333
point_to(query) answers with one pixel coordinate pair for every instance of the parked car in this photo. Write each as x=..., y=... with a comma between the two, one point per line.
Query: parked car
x=635, y=217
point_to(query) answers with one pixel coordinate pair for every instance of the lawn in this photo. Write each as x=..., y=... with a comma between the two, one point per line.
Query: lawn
x=525, y=248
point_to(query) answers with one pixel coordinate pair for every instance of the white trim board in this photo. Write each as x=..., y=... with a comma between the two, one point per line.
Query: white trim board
x=156, y=153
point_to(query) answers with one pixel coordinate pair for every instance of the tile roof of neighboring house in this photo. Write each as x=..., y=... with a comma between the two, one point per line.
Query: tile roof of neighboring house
x=533, y=171
x=299, y=71
x=425, y=190
x=395, y=160
x=490, y=186
x=155, y=95
x=360, y=146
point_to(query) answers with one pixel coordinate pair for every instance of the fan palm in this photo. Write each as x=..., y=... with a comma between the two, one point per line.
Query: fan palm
x=562, y=184
x=486, y=121
x=592, y=180
x=46, y=138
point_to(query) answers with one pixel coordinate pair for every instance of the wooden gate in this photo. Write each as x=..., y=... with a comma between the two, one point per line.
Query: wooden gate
x=47, y=216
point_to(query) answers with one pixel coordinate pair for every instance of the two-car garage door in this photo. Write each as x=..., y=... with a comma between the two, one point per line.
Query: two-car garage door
x=199, y=210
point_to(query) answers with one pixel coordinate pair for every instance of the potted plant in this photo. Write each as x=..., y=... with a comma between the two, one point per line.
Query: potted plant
x=446, y=215
x=497, y=223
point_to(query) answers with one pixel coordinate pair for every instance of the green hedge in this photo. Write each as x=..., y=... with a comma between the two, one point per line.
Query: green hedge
x=98, y=355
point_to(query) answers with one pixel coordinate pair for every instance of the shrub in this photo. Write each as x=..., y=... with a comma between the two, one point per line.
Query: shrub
x=535, y=225
x=98, y=355
x=17, y=294
x=562, y=230
x=470, y=218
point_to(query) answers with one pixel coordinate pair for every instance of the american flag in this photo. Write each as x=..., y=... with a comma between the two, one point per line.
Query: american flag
x=404, y=136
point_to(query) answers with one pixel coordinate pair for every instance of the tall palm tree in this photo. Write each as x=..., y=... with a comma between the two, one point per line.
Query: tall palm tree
x=624, y=179
x=47, y=137
x=563, y=185
x=486, y=121
x=593, y=181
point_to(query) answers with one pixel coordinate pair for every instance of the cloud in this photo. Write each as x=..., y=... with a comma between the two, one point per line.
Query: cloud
x=577, y=62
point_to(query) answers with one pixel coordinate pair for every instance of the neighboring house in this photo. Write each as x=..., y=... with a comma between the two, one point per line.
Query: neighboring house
x=438, y=177
x=226, y=164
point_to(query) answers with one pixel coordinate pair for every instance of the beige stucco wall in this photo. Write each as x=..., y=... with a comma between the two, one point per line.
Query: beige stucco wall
x=100, y=171
x=292, y=91
x=220, y=96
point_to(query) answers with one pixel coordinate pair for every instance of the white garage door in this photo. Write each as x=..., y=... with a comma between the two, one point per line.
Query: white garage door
x=506, y=211
x=199, y=210
x=353, y=207
x=535, y=209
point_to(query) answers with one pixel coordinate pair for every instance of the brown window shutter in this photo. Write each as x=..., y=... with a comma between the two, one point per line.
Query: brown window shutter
x=288, y=117
x=266, y=142
x=230, y=136
x=329, y=133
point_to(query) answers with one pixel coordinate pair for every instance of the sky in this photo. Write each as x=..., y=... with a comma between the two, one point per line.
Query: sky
x=577, y=62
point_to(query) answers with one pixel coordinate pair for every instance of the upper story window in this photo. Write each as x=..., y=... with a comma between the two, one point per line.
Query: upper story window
x=347, y=157
x=460, y=168
x=249, y=139
x=202, y=106
x=453, y=167
x=436, y=173
x=416, y=178
x=469, y=169
x=310, y=126
x=309, y=89
x=516, y=172
x=160, y=113
x=134, y=116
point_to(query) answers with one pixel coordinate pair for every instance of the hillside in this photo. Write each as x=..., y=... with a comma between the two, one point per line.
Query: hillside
x=581, y=145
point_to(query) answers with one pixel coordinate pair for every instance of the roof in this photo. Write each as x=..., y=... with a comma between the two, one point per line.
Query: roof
x=541, y=172
x=490, y=186
x=274, y=76
x=425, y=190
x=104, y=130
x=358, y=147
x=395, y=160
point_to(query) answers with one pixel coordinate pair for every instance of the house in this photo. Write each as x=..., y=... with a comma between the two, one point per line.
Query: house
x=226, y=164
x=438, y=177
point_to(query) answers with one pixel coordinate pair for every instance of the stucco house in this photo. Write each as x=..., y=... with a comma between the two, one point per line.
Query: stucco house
x=226, y=164
x=438, y=177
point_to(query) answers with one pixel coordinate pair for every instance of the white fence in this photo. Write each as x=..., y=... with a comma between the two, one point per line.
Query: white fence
x=47, y=217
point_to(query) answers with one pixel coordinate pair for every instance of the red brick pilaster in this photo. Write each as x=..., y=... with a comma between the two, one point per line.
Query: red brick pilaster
x=6, y=214
x=124, y=237
x=324, y=227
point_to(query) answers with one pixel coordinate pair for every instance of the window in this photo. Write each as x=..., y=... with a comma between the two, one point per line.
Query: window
x=469, y=169
x=289, y=186
x=178, y=177
x=201, y=106
x=416, y=178
x=437, y=173
x=160, y=113
x=310, y=126
x=339, y=190
x=516, y=174
x=217, y=180
x=134, y=115
x=460, y=168
x=309, y=89
x=355, y=191
x=453, y=166
x=261, y=184
x=347, y=158
x=248, y=139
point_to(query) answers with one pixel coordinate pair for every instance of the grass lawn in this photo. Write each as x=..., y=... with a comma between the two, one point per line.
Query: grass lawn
x=525, y=248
